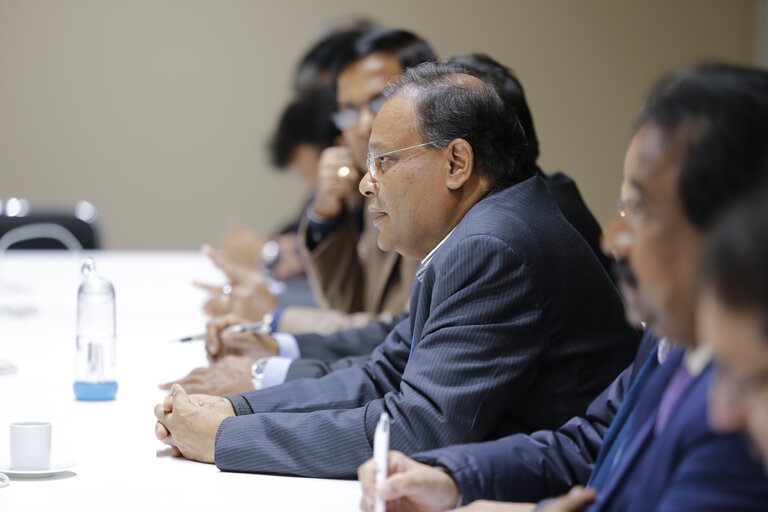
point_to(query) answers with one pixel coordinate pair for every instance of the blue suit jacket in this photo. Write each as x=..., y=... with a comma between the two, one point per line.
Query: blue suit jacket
x=529, y=468
x=515, y=324
x=687, y=466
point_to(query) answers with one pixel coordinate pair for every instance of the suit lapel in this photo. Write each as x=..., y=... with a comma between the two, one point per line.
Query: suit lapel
x=642, y=429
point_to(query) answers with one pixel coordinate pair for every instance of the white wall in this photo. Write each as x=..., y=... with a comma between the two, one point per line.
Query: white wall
x=158, y=111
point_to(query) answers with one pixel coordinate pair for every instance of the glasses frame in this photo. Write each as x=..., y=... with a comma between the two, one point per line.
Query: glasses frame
x=373, y=106
x=370, y=161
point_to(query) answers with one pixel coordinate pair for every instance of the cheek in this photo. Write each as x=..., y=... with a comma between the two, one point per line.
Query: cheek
x=724, y=416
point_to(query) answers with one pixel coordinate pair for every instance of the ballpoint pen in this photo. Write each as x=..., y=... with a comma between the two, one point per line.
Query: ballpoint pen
x=255, y=327
x=380, y=456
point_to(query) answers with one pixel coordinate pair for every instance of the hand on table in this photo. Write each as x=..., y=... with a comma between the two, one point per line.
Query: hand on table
x=219, y=343
x=230, y=375
x=411, y=486
x=188, y=423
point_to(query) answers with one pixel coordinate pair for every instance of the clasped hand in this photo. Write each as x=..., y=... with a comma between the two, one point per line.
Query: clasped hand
x=188, y=423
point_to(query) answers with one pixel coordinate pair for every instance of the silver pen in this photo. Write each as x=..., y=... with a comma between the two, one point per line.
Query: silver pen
x=255, y=327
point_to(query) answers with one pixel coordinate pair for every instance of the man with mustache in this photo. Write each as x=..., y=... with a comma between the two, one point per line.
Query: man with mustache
x=698, y=148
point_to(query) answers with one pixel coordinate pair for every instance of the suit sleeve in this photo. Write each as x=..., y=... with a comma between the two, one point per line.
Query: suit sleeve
x=528, y=468
x=546, y=463
x=475, y=344
x=351, y=342
x=315, y=368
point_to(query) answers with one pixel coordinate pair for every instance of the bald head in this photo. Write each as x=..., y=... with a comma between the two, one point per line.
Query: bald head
x=452, y=103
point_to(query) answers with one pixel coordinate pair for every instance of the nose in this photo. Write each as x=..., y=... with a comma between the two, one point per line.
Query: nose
x=617, y=239
x=368, y=186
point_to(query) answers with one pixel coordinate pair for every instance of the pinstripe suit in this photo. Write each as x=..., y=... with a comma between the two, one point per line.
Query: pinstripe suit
x=515, y=326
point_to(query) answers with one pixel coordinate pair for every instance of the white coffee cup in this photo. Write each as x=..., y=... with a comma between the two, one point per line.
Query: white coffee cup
x=30, y=445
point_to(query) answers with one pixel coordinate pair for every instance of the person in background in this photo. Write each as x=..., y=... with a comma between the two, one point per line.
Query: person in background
x=563, y=188
x=644, y=444
x=733, y=321
x=513, y=326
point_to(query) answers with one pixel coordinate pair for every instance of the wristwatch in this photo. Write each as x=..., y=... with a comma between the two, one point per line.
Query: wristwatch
x=257, y=372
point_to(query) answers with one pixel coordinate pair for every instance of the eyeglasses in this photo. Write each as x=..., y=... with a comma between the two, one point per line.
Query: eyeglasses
x=373, y=162
x=350, y=116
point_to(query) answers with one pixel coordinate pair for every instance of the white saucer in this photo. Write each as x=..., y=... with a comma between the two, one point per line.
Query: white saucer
x=56, y=467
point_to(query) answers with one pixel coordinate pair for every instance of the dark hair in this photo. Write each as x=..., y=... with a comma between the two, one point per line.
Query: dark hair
x=735, y=263
x=449, y=108
x=409, y=49
x=318, y=64
x=511, y=91
x=721, y=112
x=306, y=120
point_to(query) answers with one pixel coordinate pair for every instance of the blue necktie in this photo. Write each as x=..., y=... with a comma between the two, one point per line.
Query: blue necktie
x=616, y=437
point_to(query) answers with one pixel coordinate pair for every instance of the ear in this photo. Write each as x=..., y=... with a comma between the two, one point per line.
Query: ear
x=461, y=163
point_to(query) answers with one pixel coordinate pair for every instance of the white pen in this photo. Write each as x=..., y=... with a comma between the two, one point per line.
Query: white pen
x=256, y=327
x=380, y=456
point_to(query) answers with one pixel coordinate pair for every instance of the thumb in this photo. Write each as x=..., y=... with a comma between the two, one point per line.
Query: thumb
x=578, y=497
x=180, y=397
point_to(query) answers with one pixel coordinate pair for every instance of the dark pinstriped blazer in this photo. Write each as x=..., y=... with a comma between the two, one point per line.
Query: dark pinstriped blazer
x=516, y=327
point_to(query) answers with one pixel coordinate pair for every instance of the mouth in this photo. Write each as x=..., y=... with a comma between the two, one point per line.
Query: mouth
x=377, y=215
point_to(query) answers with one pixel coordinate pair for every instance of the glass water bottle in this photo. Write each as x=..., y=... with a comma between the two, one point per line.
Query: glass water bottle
x=95, y=356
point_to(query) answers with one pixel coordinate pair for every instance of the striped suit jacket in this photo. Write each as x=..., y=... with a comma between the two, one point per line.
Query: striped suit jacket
x=515, y=327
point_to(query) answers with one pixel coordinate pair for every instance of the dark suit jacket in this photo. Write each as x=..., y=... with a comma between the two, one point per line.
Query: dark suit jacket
x=529, y=468
x=322, y=354
x=515, y=327
x=687, y=466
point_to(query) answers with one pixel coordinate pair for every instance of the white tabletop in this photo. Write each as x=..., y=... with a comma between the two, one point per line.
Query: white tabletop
x=119, y=463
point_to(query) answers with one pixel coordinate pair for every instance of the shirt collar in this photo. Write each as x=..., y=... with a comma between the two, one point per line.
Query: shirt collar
x=425, y=262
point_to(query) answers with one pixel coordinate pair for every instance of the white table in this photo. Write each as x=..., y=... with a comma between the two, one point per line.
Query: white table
x=119, y=463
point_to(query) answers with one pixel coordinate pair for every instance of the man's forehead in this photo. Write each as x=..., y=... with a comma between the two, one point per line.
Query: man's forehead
x=367, y=78
x=652, y=160
x=395, y=123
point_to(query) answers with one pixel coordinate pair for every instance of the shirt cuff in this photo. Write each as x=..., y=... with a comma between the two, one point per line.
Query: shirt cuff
x=287, y=345
x=240, y=405
x=275, y=371
x=318, y=230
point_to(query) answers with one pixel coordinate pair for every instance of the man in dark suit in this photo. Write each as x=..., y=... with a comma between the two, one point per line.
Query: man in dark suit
x=316, y=355
x=513, y=323
x=699, y=148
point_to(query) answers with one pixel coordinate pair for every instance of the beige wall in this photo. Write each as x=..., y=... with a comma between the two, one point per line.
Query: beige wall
x=158, y=111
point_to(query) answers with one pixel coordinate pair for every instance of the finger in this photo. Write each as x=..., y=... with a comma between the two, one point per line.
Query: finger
x=216, y=306
x=193, y=378
x=221, y=261
x=578, y=497
x=175, y=451
x=213, y=289
x=161, y=432
x=159, y=411
x=168, y=403
x=180, y=396
x=365, y=474
x=365, y=503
